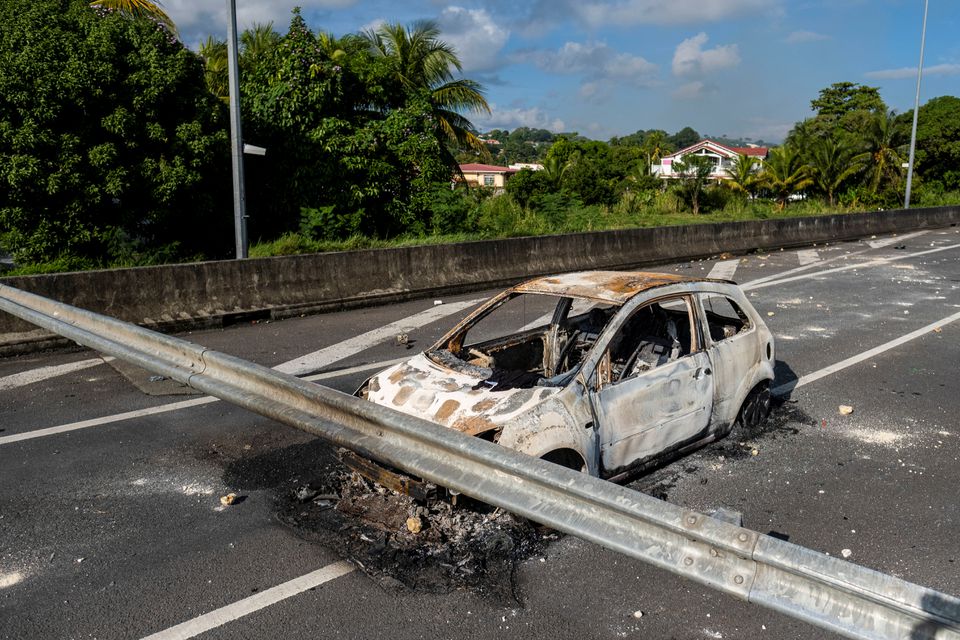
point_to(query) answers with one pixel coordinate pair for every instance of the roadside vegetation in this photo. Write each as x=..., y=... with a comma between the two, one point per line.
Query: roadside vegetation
x=114, y=147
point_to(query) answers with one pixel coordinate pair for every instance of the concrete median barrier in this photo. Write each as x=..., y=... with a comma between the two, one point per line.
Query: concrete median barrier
x=210, y=294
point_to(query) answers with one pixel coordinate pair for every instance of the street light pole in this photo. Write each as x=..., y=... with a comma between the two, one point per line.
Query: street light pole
x=916, y=108
x=236, y=134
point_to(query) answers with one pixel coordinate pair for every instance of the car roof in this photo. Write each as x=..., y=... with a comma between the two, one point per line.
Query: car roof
x=615, y=287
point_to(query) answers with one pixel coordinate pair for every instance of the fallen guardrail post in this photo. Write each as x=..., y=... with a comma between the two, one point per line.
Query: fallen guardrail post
x=834, y=594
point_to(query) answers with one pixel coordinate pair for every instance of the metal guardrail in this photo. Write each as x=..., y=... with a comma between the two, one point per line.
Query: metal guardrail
x=846, y=598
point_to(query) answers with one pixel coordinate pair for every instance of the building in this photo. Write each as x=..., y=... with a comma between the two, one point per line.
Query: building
x=722, y=156
x=485, y=175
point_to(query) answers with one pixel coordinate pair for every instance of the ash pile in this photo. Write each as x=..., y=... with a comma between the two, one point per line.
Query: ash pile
x=402, y=543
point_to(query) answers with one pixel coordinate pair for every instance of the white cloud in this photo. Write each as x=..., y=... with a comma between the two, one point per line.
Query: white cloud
x=595, y=60
x=799, y=37
x=691, y=59
x=631, y=12
x=196, y=20
x=911, y=72
x=373, y=26
x=511, y=118
x=477, y=39
x=689, y=91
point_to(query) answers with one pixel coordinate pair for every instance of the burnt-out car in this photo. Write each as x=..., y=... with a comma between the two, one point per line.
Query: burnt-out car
x=600, y=371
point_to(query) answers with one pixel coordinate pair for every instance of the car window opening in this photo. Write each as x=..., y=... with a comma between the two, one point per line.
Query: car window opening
x=528, y=340
x=654, y=335
x=725, y=318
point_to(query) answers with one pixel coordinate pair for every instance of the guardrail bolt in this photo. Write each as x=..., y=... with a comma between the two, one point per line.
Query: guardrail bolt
x=691, y=519
x=688, y=561
x=738, y=579
x=743, y=537
x=713, y=552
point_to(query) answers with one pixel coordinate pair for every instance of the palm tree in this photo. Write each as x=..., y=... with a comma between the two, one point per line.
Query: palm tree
x=139, y=9
x=655, y=145
x=693, y=172
x=742, y=175
x=880, y=155
x=256, y=43
x=214, y=54
x=784, y=174
x=423, y=63
x=830, y=164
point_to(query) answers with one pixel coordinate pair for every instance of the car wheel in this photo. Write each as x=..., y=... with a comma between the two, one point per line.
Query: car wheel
x=566, y=458
x=755, y=408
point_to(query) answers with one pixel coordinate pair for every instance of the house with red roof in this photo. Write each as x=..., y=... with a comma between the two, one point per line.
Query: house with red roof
x=485, y=175
x=722, y=156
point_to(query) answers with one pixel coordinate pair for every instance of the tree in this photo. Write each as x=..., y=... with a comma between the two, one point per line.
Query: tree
x=830, y=165
x=655, y=145
x=527, y=187
x=110, y=145
x=841, y=98
x=693, y=172
x=138, y=9
x=214, y=55
x=684, y=138
x=882, y=153
x=742, y=175
x=784, y=174
x=938, y=141
x=423, y=66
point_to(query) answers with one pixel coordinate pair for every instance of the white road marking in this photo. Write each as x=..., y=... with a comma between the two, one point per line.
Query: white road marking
x=866, y=355
x=757, y=284
x=754, y=284
x=808, y=256
x=231, y=612
x=724, y=269
x=318, y=359
x=886, y=242
x=45, y=373
x=95, y=422
x=176, y=406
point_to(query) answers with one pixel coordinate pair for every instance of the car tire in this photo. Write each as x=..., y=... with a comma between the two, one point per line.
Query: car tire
x=756, y=407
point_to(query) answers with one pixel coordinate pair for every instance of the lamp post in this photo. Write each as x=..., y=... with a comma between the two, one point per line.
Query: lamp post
x=916, y=108
x=236, y=135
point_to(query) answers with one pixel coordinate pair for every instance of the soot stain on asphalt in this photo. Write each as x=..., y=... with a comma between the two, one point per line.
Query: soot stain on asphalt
x=397, y=542
x=786, y=419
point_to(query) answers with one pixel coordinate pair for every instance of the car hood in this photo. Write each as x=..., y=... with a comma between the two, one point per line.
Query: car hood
x=467, y=403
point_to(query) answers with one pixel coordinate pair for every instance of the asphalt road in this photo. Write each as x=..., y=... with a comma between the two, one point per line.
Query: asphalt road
x=111, y=525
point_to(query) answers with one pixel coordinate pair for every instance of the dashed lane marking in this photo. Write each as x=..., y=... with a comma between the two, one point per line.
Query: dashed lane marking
x=724, y=269
x=808, y=256
x=176, y=406
x=40, y=374
x=231, y=612
x=317, y=360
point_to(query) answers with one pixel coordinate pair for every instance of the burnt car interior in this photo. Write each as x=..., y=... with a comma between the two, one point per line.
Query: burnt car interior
x=654, y=335
x=545, y=352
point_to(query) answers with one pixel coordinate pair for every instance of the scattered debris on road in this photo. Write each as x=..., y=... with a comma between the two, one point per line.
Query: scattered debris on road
x=228, y=499
x=845, y=409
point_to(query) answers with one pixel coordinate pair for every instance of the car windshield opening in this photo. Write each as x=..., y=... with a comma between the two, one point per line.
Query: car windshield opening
x=527, y=340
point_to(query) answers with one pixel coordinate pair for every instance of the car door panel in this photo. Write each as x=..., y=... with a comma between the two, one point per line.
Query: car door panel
x=654, y=411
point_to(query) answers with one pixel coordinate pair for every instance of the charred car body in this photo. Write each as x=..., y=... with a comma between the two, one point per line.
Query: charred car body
x=607, y=372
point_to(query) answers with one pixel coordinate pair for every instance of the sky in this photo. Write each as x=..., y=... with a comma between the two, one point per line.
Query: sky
x=734, y=68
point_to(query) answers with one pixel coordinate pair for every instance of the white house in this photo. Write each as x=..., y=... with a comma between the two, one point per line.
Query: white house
x=722, y=156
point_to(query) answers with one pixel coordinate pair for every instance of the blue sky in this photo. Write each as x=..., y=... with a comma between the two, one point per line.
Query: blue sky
x=741, y=68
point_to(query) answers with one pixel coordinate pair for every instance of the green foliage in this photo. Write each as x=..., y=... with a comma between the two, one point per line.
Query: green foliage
x=693, y=173
x=938, y=141
x=784, y=174
x=529, y=187
x=841, y=98
x=106, y=132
